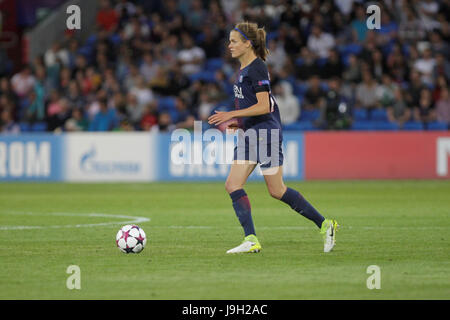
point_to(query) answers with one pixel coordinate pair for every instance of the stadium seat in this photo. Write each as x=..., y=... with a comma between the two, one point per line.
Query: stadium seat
x=166, y=103
x=379, y=115
x=299, y=62
x=438, y=126
x=300, y=126
x=272, y=35
x=362, y=126
x=39, y=127
x=207, y=76
x=115, y=39
x=352, y=48
x=309, y=115
x=321, y=61
x=360, y=115
x=384, y=125
x=300, y=88
x=214, y=64
x=91, y=40
x=413, y=125
x=24, y=127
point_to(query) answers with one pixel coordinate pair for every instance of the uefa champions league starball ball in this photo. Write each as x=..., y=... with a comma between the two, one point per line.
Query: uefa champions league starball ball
x=131, y=239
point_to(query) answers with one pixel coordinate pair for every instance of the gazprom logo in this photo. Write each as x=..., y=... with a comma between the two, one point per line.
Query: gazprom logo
x=20, y=159
x=89, y=164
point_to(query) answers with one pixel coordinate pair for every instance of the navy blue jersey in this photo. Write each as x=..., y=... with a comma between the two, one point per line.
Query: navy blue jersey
x=252, y=79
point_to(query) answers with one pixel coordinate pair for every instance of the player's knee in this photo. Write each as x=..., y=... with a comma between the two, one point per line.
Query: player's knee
x=231, y=186
x=276, y=193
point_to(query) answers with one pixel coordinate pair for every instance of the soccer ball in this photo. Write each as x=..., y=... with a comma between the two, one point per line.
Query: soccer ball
x=131, y=239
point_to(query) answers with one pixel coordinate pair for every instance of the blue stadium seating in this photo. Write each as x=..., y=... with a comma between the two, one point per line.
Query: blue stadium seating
x=299, y=62
x=39, y=127
x=438, y=126
x=360, y=115
x=300, y=126
x=352, y=48
x=166, y=103
x=115, y=39
x=207, y=76
x=309, y=115
x=362, y=125
x=300, y=88
x=214, y=64
x=24, y=127
x=271, y=35
x=384, y=125
x=379, y=115
x=413, y=125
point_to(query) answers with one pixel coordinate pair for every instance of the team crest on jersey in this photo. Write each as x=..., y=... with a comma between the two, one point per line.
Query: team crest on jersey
x=238, y=92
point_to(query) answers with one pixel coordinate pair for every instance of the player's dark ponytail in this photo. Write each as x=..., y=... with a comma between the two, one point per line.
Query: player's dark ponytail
x=257, y=37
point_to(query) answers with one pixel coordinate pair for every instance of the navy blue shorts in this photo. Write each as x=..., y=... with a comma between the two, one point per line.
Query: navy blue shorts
x=260, y=146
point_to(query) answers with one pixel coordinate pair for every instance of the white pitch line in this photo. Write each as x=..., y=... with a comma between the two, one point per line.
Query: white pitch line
x=133, y=220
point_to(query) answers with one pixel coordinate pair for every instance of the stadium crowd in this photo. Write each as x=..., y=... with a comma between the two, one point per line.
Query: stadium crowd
x=160, y=65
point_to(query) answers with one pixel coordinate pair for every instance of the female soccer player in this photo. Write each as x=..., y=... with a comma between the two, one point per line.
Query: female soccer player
x=260, y=139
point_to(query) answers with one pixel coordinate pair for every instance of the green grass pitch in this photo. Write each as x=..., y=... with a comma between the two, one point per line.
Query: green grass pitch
x=401, y=226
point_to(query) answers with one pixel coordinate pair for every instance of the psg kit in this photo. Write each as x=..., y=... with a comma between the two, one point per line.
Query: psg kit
x=260, y=139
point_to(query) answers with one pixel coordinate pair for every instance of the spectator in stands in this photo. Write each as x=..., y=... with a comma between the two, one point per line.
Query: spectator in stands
x=386, y=92
x=165, y=122
x=411, y=29
x=306, y=66
x=211, y=44
x=132, y=77
x=443, y=107
x=35, y=111
x=352, y=73
x=287, y=103
x=320, y=42
x=134, y=109
x=378, y=65
x=366, y=96
x=415, y=88
x=143, y=93
x=191, y=57
x=148, y=67
x=23, y=82
x=149, y=117
x=107, y=18
x=56, y=55
x=425, y=65
x=7, y=92
x=206, y=106
x=398, y=112
x=184, y=118
x=56, y=121
x=359, y=25
x=7, y=124
x=438, y=45
x=277, y=57
x=396, y=64
x=314, y=95
x=442, y=67
x=335, y=113
x=106, y=119
x=425, y=112
x=77, y=122
x=333, y=67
